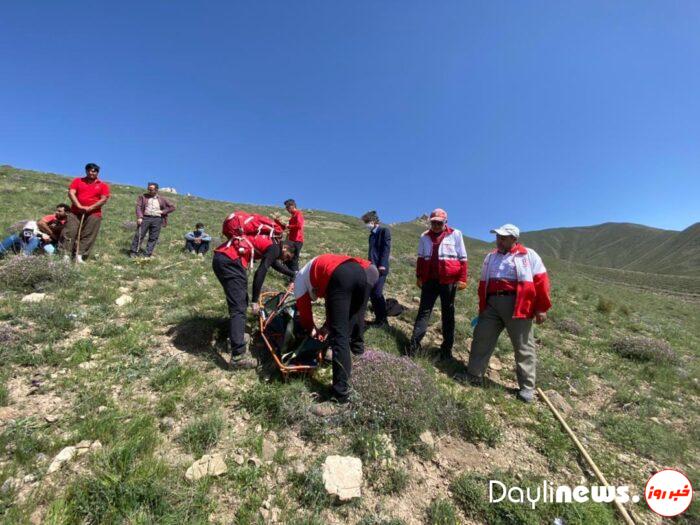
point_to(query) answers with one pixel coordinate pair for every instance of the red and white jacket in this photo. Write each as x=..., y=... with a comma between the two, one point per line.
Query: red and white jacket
x=311, y=282
x=247, y=248
x=452, y=257
x=532, y=288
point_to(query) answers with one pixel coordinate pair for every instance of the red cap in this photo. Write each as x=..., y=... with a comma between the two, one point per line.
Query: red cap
x=438, y=214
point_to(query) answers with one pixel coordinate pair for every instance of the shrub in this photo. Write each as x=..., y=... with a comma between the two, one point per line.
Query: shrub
x=605, y=306
x=395, y=395
x=24, y=274
x=644, y=349
x=199, y=436
x=441, y=512
x=570, y=326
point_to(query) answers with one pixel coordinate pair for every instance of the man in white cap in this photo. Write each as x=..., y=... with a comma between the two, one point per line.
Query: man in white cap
x=441, y=270
x=513, y=290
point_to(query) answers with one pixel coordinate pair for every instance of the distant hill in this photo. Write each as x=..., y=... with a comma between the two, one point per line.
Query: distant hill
x=623, y=246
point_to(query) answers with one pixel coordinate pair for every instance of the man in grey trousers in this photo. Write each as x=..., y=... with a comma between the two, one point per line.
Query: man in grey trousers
x=513, y=290
x=152, y=212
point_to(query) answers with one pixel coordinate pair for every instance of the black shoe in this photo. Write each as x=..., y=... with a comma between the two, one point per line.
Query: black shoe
x=243, y=362
x=445, y=355
x=133, y=255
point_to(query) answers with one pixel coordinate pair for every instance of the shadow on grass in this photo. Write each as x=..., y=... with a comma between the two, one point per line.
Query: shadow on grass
x=200, y=336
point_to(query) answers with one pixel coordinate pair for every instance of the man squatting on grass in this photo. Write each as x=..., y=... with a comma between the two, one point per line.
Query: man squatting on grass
x=152, y=212
x=295, y=231
x=230, y=264
x=441, y=270
x=87, y=195
x=197, y=241
x=344, y=282
x=513, y=289
x=378, y=254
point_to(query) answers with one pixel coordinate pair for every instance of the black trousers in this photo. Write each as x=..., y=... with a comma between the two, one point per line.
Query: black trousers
x=430, y=291
x=202, y=247
x=150, y=226
x=234, y=279
x=294, y=263
x=376, y=295
x=346, y=302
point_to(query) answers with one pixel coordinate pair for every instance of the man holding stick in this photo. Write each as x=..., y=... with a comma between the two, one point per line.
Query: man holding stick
x=87, y=195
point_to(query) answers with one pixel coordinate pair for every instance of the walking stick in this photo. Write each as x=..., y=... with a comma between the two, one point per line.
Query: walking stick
x=80, y=232
x=625, y=515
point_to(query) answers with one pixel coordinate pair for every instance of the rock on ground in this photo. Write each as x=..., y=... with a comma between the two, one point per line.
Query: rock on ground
x=124, y=300
x=34, y=298
x=209, y=465
x=342, y=477
x=558, y=401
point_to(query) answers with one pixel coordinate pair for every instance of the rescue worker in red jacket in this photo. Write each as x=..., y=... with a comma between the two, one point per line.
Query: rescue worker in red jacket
x=441, y=270
x=513, y=290
x=231, y=263
x=295, y=231
x=344, y=282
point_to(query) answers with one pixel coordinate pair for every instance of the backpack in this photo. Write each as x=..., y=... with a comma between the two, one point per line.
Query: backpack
x=241, y=223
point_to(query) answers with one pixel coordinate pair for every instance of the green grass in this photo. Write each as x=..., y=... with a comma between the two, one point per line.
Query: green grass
x=154, y=359
x=202, y=434
x=441, y=512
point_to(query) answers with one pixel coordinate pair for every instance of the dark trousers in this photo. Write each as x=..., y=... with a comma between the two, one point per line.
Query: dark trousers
x=376, y=295
x=69, y=244
x=234, y=279
x=202, y=247
x=293, y=264
x=430, y=291
x=346, y=301
x=150, y=226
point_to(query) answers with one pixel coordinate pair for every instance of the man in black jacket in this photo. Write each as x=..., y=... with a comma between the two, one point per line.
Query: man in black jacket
x=379, y=251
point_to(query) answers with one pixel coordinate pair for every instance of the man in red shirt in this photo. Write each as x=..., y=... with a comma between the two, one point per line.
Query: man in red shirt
x=441, y=270
x=344, y=282
x=51, y=227
x=295, y=231
x=87, y=195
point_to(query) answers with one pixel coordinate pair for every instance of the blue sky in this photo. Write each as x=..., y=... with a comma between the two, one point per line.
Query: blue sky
x=544, y=114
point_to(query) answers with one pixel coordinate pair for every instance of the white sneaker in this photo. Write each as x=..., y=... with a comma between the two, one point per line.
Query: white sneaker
x=79, y=259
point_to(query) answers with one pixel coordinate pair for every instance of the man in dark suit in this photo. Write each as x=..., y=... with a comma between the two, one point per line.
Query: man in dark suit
x=379, y=251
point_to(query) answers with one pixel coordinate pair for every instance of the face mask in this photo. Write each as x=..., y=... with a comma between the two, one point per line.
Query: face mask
x=369, y=226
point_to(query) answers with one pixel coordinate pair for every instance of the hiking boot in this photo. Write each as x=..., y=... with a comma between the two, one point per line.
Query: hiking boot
x=243, y=362
x=526, y=395
x=473, y=380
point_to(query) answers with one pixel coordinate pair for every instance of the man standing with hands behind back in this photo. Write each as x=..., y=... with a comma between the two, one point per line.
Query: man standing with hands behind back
x=87, y=195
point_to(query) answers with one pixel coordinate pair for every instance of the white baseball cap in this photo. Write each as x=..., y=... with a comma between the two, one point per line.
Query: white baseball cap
x=507, y=230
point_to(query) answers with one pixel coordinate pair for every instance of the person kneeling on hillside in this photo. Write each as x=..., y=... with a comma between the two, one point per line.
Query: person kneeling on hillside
x=513, y=289
x=43, y=233
x=196, y=241
x=231, y=263
x=344, y=282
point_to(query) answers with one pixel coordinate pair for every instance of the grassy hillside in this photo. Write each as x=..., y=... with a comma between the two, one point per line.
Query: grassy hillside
x=623, y=246
x=144, y=380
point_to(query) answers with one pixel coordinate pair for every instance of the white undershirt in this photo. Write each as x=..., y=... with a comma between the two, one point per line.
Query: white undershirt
x=502, y=266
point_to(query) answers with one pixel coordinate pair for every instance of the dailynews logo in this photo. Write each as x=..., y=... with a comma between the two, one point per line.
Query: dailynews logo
x=668, y=493
x=547, y=493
